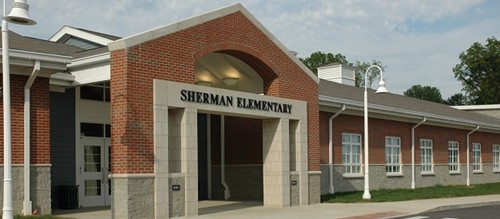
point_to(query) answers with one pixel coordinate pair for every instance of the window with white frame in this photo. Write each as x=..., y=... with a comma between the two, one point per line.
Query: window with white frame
x=393, y=155
x=476, y=157
x=426, y=155
x=496, y=157
x=453, y=158
x=351, y=154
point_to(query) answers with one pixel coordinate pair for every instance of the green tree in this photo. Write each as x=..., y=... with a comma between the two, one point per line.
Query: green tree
x=479, y=72
x=360, y=68
x=457, y=99
x=318, y=59
x=425, y=93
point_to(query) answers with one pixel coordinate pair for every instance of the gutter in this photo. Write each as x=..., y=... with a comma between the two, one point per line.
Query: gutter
x=330, y=146
x=27, y=137
x=410, y=113
x=413, y=151
x=468, y=163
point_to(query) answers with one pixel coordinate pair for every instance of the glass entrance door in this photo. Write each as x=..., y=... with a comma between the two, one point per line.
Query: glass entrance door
x=94, y=167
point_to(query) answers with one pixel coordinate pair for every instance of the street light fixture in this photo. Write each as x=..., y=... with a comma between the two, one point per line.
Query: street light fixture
x=381, y=89
x=18, y=15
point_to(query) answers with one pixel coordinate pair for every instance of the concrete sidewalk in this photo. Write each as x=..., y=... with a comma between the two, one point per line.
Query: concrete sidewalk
x=242, y=210
x=356, y=210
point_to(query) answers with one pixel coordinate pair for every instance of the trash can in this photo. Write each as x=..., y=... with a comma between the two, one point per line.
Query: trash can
x=68, y=196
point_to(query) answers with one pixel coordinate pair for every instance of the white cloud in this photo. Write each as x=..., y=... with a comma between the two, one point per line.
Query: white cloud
x=418, y=40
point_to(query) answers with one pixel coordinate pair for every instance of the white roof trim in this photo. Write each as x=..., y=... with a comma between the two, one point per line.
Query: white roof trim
x=67, y=30
x=196, y=20
x=479, y=107
x=410, y=113
x=39, y=56
x=90, y=60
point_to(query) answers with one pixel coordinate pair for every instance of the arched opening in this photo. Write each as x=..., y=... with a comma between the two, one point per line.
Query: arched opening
x=225, y=71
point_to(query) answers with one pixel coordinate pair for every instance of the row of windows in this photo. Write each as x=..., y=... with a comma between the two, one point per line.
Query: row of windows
x=351, y=155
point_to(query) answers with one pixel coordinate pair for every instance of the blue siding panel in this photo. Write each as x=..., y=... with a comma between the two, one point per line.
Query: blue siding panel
x=62, y=140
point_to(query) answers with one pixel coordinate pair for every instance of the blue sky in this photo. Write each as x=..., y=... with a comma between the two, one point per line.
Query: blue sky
x=418, y=41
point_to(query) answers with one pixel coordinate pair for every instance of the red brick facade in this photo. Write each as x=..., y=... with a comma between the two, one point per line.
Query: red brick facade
x=172, y=58
x=379, y=129
x=40, y=120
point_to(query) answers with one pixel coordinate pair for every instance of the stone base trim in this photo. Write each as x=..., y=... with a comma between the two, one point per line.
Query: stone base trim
x=133, y=195
x=314, y=187
x=127, y=176
x=40, y=188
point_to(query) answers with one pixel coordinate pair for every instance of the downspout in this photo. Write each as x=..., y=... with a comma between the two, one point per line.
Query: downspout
x=468, y=167
x=413, y=151
x=27, y=129
x=330, y=146
x=227, y=193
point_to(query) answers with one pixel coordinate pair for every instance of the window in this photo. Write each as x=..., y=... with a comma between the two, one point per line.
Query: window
x=496, y=157
x=476, y=157
x=95, y=130
x=99, y=92
x=453, y=161
x=393, y=154
x=351, y=154
x=426, y=156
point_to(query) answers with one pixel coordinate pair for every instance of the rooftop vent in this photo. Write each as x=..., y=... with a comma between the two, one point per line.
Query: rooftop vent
x=337, y=72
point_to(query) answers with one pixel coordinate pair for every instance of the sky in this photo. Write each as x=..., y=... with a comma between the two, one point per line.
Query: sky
x=418, y=41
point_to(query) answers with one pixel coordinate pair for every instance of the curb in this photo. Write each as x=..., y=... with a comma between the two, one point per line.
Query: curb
x=449, y=207
x=459, y=206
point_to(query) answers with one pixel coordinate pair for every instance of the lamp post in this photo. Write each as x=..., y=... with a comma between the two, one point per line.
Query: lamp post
x=381, y=89
x=18, y=15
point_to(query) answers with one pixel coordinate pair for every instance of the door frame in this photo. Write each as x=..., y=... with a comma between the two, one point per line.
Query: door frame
x=105, y=198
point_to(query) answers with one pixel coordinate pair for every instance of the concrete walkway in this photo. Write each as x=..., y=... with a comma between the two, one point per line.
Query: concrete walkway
x=241, y=210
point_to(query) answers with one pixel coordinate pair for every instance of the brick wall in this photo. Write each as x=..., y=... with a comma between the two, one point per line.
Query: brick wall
x=243, y=140
x=40, y=120
x=172, y=58
x=379, y=129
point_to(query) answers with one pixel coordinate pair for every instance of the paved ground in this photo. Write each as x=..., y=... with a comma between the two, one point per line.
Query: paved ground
x=242, y=210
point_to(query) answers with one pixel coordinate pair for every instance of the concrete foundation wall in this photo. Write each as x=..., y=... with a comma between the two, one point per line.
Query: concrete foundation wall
x=379, y=179
x=177, y=199
x=133, y=197
x=294, y=189
x=315, y=187
x=40, y=188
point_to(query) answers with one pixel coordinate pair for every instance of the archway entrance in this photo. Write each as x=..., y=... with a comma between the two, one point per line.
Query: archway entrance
x=283, y=147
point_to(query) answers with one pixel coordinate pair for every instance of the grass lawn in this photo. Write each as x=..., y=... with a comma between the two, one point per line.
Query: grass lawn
x=386, y=195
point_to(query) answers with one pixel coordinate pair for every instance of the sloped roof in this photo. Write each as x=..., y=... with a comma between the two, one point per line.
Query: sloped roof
x=19, y=42
x=103, y=35
x=91, y=52
x=67, y=32
x=332, y=91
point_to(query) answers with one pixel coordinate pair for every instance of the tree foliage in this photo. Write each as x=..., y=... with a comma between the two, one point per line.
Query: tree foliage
x=479, y=72
x=360, y=68
x=318, y=59
x=457, y=99
x=425, y=93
